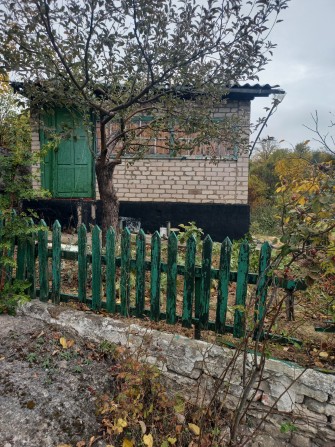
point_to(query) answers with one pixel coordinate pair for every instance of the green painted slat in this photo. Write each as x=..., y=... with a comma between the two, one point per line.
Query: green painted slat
x=1, y=250
x=21, y=259
x=155, y=282
x=96, y=268
x=10, y=252
x=189, y=277
x=125, y=272
x=205, y=281
x=110, y=271
x=56, y=261
x=262, y=287
x=82, y=262
x=43, y=261
x=241, y=290
x=223, y=286
x=171, y=290
x=31, y=271
x=140, y=273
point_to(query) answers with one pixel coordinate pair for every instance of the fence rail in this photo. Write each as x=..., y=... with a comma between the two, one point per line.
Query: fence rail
x=197, y=279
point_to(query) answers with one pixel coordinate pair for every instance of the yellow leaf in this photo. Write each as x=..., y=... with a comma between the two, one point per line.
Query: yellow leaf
x=148, y=440
x=172, y=440
x=127, y=443
x=121, y=423
x=63, y=342
x=194, y=429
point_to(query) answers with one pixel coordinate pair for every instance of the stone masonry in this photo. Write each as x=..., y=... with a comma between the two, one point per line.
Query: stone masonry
x=285, y=396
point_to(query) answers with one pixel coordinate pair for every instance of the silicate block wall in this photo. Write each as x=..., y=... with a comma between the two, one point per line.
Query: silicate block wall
x=183, y=180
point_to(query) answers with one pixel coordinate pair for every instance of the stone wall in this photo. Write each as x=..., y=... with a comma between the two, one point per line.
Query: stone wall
x=287, y=394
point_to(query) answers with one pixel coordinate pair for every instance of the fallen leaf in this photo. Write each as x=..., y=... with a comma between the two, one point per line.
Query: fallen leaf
x=143, y=427
x=127, y=443
x=323, y=354
x=172, y=440
x=122, y=423
x=148, y=440
x=70, y=343
x=81, y=444
x=194, y=429
x=63, y=342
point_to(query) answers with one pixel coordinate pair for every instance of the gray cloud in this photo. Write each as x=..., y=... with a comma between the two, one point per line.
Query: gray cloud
x=304, y=66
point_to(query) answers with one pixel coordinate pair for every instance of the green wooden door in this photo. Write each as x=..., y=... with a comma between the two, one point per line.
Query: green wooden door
x=67, y=169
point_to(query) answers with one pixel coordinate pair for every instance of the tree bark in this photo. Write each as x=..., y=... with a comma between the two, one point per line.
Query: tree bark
x=110, y=204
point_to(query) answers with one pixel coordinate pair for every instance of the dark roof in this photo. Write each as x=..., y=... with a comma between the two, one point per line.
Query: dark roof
x=249, y=92
x=246, y=92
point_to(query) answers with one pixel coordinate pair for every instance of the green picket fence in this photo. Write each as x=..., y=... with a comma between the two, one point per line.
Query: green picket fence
x=197, y=279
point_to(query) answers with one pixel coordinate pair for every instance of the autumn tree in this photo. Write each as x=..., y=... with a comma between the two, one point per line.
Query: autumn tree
x=171, y=60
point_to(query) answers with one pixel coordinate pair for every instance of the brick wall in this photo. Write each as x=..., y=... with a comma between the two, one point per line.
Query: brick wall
x=192, y=179
x=183, y=180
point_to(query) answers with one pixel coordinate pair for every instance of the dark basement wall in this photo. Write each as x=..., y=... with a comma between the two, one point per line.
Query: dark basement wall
x=218, y=220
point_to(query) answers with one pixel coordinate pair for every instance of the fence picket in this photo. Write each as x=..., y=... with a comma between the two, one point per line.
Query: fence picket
x=31, y=276
x=56, y=261
x=155, y=283
x=171, y=290
x=96, y=268
x=140, y=273
x=110, y=271
x=125, y=272
x=262, y=287
x=205, y=281
x=241, y=290
x=43, y=261
x=223, y=286
x=21, y=259
x=10, y=251
x=82, y=263
x=189, y=276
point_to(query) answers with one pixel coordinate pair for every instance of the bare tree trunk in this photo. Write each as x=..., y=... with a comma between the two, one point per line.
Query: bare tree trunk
x=110, y=204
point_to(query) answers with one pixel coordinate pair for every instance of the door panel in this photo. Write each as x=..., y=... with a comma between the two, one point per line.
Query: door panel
x=70, y=166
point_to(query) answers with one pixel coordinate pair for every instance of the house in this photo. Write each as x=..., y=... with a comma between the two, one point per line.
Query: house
x=156, y=189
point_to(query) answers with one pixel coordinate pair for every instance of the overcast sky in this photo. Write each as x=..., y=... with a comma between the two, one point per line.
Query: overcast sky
x=303, y=64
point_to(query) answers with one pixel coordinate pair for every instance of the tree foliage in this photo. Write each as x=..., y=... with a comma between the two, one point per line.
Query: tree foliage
x=129, y=58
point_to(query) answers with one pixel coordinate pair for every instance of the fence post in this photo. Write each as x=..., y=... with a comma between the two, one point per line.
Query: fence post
x=56, y=261
x=223, y=286
x=21, y=259
x=205, y=281
x=10, y=251
x=171, y=290
x=262, y=288
x=31, y=273
x=189, y=275
x=96, y=268
x=82, y=262
x=125, y=272
x=140, y=273
x=110, y=271
x=43, y=261
x=241, y=290
x=155, y=282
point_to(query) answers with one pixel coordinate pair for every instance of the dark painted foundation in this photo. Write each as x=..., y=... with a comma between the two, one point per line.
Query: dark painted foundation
x=218, y=220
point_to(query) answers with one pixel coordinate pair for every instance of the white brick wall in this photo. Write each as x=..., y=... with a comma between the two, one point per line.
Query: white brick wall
x=188, y=180
x=193, y=180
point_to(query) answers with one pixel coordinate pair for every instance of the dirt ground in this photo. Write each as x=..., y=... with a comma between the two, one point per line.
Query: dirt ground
x=49, y=383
